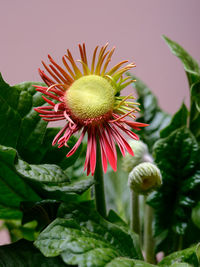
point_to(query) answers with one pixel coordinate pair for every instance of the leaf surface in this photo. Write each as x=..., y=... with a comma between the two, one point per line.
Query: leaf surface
x=13, y=190
x=81, y=236
x=177, y=156
x=187, y=256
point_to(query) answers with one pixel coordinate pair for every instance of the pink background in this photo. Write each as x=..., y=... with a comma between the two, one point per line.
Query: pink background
x=32, y=29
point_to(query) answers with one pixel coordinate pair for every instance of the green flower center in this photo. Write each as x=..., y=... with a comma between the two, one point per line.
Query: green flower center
x=89, y=97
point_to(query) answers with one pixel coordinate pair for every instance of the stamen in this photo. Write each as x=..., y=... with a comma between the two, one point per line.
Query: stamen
x=108, y=60
x=116, y=67
x=67, y=66
x=69, y=79
x=123, y=100
x=50, y=72
x=93, y=59
x=125, y=115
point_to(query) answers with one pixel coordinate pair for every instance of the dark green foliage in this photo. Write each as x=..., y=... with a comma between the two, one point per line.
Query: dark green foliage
x=24, y=254
x=178, y=120
x=177, y=156
x=13, y=189
x=150, y=113
x=20, y=181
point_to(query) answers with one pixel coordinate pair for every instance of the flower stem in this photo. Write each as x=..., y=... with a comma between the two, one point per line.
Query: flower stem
x=149, y=245
x=135, y=219
x=99, y=185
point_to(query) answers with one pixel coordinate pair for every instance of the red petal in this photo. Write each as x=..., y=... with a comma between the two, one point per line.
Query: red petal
x=93, y=153
x=59, y=134
x=73, y=150
x=109, y=152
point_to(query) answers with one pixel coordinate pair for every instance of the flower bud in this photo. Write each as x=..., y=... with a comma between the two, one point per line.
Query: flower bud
x=144, y=178
x=141, y=154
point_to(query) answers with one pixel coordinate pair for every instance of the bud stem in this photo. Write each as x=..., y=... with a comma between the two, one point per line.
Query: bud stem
x=149, y=244
x=135, y=219
x=99, y=184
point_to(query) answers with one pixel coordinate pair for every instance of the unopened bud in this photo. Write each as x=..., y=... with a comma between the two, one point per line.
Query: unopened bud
x=144, y=178
x=141, y=154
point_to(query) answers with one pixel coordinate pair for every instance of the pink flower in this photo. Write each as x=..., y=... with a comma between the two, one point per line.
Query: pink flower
x=90, y=102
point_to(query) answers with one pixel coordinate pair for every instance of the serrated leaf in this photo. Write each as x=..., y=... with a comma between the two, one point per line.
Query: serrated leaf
x=24, y=254
x=177, y=156
x=150, y=113
x=81, y=236
x=190, y=64
x=184, y=256
x=13, y=189
x=178, y=120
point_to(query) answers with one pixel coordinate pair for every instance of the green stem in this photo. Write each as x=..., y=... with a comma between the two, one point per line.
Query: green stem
x=99, y=184
x=149, y=244
x=180, y=242
x=135, y=219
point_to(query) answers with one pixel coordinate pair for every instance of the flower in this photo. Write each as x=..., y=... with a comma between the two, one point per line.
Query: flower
x=90, y=102
x=145, y=178
x=141, y=154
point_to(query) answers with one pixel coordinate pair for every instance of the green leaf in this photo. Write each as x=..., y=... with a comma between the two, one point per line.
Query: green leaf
x=13, y=189
x=81, y=236
x=177, y=156
x=25, y=129
x=184, y=256
x=124, y=262
x=193, y=73
x=182, y=264
x=190, y=65
x=178, y=120
x=50, y=181
x=196, y=215
x=150, y=113
x=46, y=153
x=195, y=110
x=24, y=254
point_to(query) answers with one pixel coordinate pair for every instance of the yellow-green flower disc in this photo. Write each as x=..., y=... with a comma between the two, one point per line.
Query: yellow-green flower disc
x=90, y=96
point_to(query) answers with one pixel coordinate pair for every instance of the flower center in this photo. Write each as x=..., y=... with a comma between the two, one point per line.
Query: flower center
x=89, y=97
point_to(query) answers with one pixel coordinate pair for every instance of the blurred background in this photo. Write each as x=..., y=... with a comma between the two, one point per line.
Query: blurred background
x=30, y=30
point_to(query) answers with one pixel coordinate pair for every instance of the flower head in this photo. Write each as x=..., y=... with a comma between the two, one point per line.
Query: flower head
x=145, y=178
x=89, y=101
